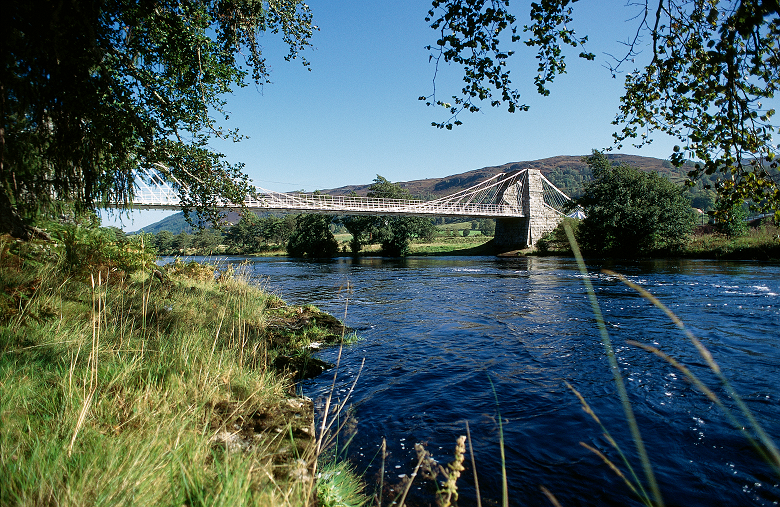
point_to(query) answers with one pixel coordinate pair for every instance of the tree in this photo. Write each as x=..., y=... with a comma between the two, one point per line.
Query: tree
x=206, y=240
x=706, y=71
x=312, y=237
x=393, y=232
x=488, y=227
x=361, y=228
x=181, y=242
x=631, y=213
x=244, y=236
x=732, y=219
x=163, y=242
x=278, y=230
x=703, y=199
x=93, y=92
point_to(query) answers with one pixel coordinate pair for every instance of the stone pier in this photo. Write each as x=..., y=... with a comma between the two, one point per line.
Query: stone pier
x=525, y=231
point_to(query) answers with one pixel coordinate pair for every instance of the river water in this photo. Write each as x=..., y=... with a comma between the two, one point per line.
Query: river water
x=453, y=339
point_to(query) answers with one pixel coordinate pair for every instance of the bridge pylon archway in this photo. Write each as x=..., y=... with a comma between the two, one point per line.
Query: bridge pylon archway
x=538, y=217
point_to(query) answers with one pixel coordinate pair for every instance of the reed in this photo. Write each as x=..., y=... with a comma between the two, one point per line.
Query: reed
x=748, y=426
x=617, y=377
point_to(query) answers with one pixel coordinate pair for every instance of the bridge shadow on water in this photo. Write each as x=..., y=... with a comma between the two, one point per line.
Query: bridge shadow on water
x=485, y=249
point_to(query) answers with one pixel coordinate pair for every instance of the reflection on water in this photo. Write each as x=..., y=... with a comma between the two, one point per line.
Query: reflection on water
x=436, y=331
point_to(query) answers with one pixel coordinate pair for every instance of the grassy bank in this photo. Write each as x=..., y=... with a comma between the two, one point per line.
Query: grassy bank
x=122, y=383
x=451, y=245
x=760, y=241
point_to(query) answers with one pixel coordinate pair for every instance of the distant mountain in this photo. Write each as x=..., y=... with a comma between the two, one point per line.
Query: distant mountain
x=568, y=173
x=565, y=172
x=174, y=223
x=178, y=223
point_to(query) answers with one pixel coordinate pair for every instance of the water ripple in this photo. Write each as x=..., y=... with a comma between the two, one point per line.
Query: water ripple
x=437, y=331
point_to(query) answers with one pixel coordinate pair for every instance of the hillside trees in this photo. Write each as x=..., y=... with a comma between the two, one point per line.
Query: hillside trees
x=704, y=72
x=393, y=232
x=90, y=92
x=631, y=213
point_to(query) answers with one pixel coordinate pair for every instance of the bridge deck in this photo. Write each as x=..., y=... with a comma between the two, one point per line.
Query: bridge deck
x=497, y=197
x=339, y=205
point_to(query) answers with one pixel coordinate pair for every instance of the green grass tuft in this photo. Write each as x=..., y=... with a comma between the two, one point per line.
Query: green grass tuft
x=122, y=386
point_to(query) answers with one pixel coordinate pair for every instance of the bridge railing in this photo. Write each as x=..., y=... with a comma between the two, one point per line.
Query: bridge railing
x=368, y=205
x=489, y=198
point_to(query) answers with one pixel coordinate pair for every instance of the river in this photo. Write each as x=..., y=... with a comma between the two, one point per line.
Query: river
x=453, y=339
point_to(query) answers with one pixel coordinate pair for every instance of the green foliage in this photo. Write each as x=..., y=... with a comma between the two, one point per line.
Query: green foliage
x=760, y=242
x=709, y=78
x=277, y=230
x=312, y=237
x=139, y=392
x=181, y=242
x=253, y=234
x=94, y=91
x=82, y=245
x=703, y=199
x=243, y=236
x=713, y=73
x=394, y=233
x=488, y=227
x=732, y=219
x=338, y=484
x=207, y=240
x=473, y=34
x=631, y=213
x=163, y=242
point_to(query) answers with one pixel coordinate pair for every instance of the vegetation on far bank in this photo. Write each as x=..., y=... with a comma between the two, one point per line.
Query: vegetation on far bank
x=629, y=213
x=760, y=241
x=122, y=382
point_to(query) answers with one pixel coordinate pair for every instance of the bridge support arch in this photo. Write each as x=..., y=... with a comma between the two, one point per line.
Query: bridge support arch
x=524, y=232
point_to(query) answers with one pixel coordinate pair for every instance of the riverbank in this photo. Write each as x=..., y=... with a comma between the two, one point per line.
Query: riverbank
x=760, y=242
x=444, y=245
x=122, y=382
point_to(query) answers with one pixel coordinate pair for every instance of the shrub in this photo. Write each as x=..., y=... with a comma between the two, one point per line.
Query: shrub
x=732, y=219
x=556, y=241
x=312, y=237
x=629, y=212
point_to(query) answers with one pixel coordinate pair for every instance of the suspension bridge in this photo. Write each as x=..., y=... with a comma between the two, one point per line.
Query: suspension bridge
x=524, y=203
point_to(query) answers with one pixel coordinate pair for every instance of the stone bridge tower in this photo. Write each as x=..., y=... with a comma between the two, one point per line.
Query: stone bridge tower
x=538, y=219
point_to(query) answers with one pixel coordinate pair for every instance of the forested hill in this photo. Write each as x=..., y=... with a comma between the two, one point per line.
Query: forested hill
x=566, y=172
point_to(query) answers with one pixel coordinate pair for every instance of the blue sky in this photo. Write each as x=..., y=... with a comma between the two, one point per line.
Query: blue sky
x=356, y=113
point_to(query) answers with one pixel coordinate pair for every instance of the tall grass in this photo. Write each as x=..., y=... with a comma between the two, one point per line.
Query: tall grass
x=760, y=241
x=120, y=388
x=748, y=426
